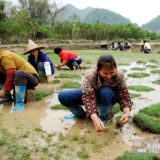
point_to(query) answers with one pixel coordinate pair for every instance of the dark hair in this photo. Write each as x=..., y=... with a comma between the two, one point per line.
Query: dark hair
x=57, y=50
x=106, y=61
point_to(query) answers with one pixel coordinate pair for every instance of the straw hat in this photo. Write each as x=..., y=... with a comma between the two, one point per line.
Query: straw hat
x=32, y=46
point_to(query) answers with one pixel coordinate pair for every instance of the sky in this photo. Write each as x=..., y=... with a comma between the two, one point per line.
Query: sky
x=138, y=11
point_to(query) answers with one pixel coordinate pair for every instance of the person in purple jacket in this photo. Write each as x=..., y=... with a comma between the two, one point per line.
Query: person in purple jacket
x=40, y=61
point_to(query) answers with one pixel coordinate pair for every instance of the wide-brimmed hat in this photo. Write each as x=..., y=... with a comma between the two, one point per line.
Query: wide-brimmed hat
x=32, y=46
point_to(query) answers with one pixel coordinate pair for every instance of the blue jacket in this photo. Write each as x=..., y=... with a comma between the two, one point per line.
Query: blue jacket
x=42, y=57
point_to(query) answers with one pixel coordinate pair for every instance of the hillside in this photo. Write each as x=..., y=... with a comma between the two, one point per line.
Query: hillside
x=153, y=25
x=92, y=15
x=105, y=16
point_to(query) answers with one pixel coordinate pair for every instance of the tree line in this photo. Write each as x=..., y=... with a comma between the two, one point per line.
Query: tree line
x=37, y=19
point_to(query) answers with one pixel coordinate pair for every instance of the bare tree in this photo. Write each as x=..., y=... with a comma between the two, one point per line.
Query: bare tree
x=53, y=10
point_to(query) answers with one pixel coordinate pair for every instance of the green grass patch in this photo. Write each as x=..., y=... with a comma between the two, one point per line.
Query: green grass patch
x=156, y=82
x=40, y=93
x=58, y=107
x=116, y=108
x=151, y=66
x=152, y=110
x=138, y=68
x=138, y=75
x=123, y=64
x=71, y=85
x=140, y=88
x=147, y=122
x=134, y=95
x=148, y=119
x=156, y=71
x=153, y=61
x=67, y=75
x=83, y=154
x=55, y=81
x=136, y=156
x=141, y=62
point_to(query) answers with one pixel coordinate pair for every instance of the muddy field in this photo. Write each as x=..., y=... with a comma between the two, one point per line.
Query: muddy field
x=41, y=133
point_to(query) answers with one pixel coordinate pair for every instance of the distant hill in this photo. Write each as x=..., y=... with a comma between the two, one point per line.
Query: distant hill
x=105, y=16
x=70, y=11
x=153, y=25
x=91, y=15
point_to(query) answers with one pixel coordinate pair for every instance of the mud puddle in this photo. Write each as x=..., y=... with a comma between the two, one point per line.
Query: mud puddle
x=130, y=134
x=52, y=121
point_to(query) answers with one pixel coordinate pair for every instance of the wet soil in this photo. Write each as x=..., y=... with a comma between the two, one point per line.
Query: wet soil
x=52, y=121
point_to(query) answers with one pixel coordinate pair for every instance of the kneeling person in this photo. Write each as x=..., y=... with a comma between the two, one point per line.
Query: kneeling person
x=16, y=73
x=40, y=61
x=71, y=59
x=102, y=87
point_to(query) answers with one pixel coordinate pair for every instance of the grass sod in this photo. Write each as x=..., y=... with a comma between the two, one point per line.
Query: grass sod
x=134, y=95
x=58, y=107
x=55, y=81
x=138, y=75
x=156, y=82
x=67, y=75
x=71, y=85
x=152, y=66
x=153, y=61
x=140, y=88
x=147, y=122
x=152, y=110
x=138, y=68
x=136, y=156
x=156, y=71
x=148, y=119
x=141, y=62
x=40, y=93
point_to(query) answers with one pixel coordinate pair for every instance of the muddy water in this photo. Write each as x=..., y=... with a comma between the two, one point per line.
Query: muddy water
x=142, y=141
x=53, y=121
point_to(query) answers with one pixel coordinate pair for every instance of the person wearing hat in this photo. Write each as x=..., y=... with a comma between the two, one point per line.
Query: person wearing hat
x=40, y=61
x=16, y=73
x=71, y=59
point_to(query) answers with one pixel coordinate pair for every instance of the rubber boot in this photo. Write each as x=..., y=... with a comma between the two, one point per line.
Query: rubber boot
x=19, y=98
x=75, y=65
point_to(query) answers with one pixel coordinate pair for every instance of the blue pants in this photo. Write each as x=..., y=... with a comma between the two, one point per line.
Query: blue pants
x=71, y=60
x=72, y=99
x=41, y=69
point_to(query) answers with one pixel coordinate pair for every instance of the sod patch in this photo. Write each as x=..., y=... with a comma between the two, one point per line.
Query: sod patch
x=156, y=82
x=138, y=68
x=58, y=107
x=55, y=81
x=138, y=75
x=136, y=156
x=134, y=95
x=40, y=93
x=148, y=119
x=71, y=85
x=153, y=61
x=152, y=110
x=151, y=66
x=116, y=108
x=156, y=71
x=67, y=75
x=141, y=62
x=140, y=88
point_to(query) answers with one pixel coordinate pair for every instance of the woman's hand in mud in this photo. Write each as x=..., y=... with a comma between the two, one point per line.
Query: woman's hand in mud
x=98, y=124
x=125, y=116
x=2, y=93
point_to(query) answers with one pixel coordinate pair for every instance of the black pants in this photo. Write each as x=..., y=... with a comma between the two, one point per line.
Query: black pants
x=21, y=78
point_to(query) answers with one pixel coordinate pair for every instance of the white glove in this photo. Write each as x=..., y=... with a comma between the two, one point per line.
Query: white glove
x=47, y=68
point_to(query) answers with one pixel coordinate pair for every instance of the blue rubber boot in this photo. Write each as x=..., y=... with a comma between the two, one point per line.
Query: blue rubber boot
x=20, y=96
